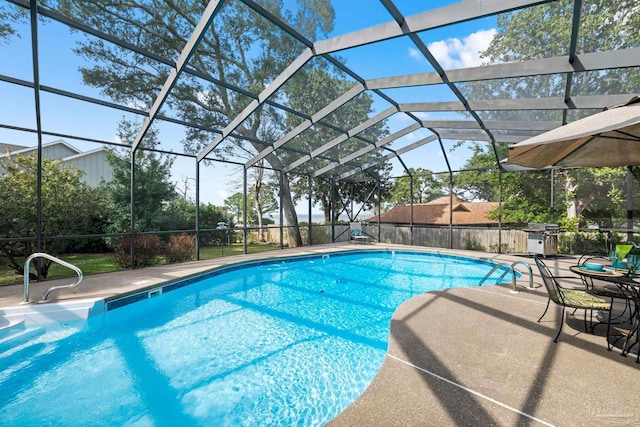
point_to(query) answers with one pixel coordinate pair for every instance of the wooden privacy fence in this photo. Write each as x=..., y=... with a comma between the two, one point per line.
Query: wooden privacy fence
x=483, y=239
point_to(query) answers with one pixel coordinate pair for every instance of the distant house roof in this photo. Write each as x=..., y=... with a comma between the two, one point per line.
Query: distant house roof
x=85, y=154
x=93, y=164
x=436, y=212
x=8, y=148
x=54, y=149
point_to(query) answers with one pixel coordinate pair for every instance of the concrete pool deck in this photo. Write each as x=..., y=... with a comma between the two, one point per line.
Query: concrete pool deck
x=467, y=356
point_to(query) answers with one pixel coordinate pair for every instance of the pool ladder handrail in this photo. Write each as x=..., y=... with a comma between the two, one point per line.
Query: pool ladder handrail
x=510, y=267
x=54, y=259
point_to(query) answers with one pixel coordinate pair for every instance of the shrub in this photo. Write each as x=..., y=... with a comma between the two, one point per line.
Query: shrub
x=503, y=249
x=569, y=224
x=218, y=237
x=181, y=248
x=148, y=249
x=473, y=245
x=319, y=234
x=582, y=243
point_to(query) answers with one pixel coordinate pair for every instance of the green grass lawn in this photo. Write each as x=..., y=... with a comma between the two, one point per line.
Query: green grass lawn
x=235, y=249
x=103, y=263
x=87, y=263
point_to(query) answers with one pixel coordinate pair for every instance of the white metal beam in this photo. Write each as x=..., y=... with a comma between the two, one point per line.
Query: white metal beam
x=367, y=149
x=623, y=58
x=334, y=105
x=389, y=156
x=482, y=136
x=276, y=84
x=341, y=138
x=452, y=14
x=548, y=103
x=492, y=124
x=186, y=54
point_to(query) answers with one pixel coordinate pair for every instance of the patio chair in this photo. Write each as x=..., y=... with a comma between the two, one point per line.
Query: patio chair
x=356, y=233
x=570, y=297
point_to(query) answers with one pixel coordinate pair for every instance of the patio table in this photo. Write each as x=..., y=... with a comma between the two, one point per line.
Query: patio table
x=629, y=285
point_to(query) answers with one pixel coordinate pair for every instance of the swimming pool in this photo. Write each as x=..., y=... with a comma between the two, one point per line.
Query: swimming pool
x=289, y=342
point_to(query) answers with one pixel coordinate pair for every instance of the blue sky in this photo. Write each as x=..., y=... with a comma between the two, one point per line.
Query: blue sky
x=454, y=46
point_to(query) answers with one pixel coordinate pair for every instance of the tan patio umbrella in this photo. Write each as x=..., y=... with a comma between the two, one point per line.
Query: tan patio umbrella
x=610, y=138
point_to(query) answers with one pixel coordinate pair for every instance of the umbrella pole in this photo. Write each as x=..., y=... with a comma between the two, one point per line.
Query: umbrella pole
x=629, y=204
x=553, y=213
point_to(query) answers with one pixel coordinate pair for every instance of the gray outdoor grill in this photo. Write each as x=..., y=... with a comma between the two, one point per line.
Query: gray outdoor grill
x=542, y=238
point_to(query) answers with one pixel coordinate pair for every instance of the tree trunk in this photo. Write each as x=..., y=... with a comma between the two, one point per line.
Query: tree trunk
x=288, y=207
x=326, y=210
x=572, y=200
x=258, y=199
x=290, y=215
x=261, y=236
x=575, y=204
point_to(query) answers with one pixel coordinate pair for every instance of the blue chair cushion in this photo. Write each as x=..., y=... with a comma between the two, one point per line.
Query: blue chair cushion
x=356, y=232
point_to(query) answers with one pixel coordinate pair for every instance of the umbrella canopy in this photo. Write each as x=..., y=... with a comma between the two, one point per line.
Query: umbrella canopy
x=610, y=138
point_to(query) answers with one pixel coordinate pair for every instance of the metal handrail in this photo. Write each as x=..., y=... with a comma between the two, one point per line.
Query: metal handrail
x=528, y=271
x=495, y=267
x=513, y=273
x=513, y=270
x=54, y=259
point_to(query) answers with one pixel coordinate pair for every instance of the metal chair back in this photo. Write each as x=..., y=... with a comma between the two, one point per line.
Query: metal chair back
x=549, y=282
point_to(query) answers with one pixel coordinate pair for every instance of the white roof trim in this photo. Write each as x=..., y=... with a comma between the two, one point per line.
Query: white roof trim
x=48, y=144
x=83, y=154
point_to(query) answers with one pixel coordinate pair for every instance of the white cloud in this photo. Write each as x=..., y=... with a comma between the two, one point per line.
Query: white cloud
x=455, y=53
x=423, y=115
x=222, y=194
x=415, y=54
x=411, y=136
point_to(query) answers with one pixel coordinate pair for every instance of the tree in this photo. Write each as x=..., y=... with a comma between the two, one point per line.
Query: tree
x=308, y=91
x=234, y=204
x=426, y=187
x=596, y=194
x=362, y=192
x=182, y=214
x=263, y=198
x=184, y=187
x=526, y=198
x=69, y=207
x=240, y=48
x=540, y=32
x=479, y=179
x=8, y=15
x=153, y=191
x=526, y=195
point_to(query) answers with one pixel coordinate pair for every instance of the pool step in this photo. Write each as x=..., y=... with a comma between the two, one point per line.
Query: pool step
x=17, y=334
x=36, y=314
x=7, y=326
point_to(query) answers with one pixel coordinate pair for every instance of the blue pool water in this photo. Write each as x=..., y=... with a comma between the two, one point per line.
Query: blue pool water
x=283, y=343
